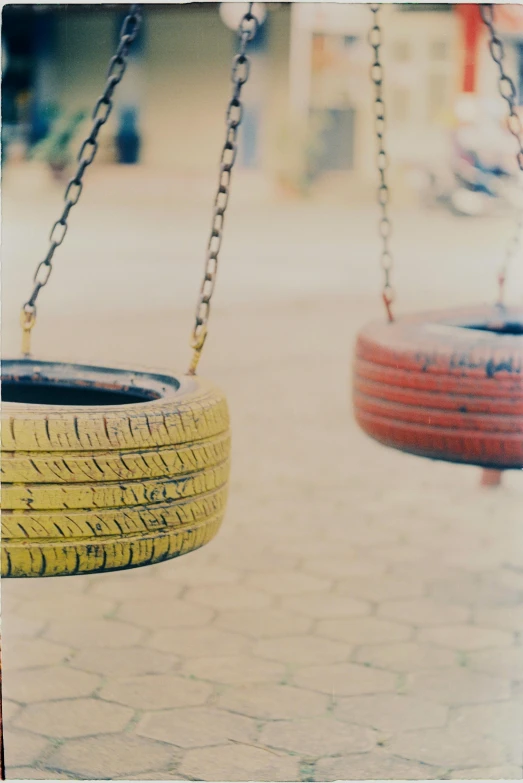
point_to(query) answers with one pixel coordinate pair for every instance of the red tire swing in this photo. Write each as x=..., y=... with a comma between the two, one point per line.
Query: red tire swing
x=444, y=385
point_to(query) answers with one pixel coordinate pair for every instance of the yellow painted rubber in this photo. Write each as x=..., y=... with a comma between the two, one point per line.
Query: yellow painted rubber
x=200, y=413
x=113, y=494
x=92, y=488
x=68, y=558
x=20, y=526
x=72, y=467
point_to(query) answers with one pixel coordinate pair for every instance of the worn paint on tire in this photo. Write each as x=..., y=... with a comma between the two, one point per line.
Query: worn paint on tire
x=89, y=488
x=445, y=385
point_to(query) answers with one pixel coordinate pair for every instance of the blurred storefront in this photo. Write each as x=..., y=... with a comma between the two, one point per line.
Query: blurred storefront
x=310, y=70
x=174, y=94
x=420, y=52
x=432, y=55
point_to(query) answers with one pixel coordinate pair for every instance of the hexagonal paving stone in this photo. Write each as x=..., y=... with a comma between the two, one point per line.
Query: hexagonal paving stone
x=111, y=758
x=49, y=682
x=404, y=656
x=474, y=560
x=504, y=662
x=309, y=545
x=302, y=650
x=162, y=775
x=156, y=692
x=273, y=702
x=344, y=679
x=423, y=611
x=157, y=614
x=457, y=686
x=263, y=623
x=48, y=588
x=502, y=721
x=253, y=559
x=342, y=567
x=487, y=773
x=381, y=588
x=472, y=592
x=391, y=712
x=22, y=748
x=239, y=763
x=73, y=718
x=32, y=773
x=320, y=605
x=121, y=587
x=508, y=578
x=367, y=536
x=287, y=583
x=506, y=618
x=399, y=553
x=188, y=573
x=62, y=606
x=9, y=710
x=312, y=737
x=228, y=597
x=20, y=626
x=465, y=637
x=197, y=727
x=195, y=642
x=126, y=662
x=23, y=653
x=235, y=669
x=457, y=749
x=376, y=765
x=94, y=633
x=363, y=630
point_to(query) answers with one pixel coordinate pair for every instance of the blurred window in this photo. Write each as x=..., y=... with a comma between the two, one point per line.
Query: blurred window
x=439, y=50
x=437, y=96
x=349, y=40
x=400, y=105
x=401, y=51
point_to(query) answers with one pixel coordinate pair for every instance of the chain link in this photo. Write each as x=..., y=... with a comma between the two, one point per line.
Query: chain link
x=86, y=155
x=507, y=90
x=239, y=75
x=385, y=225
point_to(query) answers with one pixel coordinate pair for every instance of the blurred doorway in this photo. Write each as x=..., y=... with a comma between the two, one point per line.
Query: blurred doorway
x=337, y=138
x=332, y=106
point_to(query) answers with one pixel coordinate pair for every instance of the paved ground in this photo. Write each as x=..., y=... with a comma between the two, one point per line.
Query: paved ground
x=360, y=614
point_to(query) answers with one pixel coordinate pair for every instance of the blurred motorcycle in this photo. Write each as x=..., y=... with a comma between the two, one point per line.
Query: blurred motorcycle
x=480, y=178
x=468, y=188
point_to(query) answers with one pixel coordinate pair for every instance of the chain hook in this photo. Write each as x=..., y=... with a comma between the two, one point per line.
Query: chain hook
x=197, y=344
x=27, y=321
x=388, y=300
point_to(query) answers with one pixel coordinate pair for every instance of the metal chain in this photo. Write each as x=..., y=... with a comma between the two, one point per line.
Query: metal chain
x=86, y=155
x=385, y=225
x=507, y=90
x=240, y=73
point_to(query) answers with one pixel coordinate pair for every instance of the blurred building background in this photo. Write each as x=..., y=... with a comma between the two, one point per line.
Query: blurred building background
x=308, y=104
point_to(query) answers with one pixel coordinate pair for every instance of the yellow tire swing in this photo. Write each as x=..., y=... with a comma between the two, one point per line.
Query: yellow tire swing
x=105, y=468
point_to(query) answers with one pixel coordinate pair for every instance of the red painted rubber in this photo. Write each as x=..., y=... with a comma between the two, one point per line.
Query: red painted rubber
x=446, y=385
